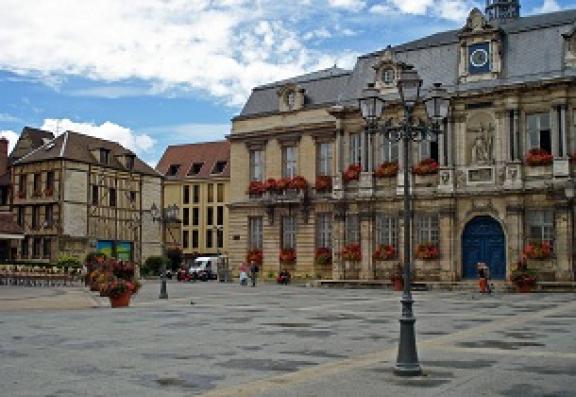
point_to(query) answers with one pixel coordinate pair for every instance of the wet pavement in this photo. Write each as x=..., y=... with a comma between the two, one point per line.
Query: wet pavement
x=218, y=339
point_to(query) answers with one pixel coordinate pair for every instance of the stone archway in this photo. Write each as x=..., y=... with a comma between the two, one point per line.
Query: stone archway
x=483, y=240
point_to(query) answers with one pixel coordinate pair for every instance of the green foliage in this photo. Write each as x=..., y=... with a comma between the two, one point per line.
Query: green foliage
x=175, y=257
x=68, y=261
x=153, y=265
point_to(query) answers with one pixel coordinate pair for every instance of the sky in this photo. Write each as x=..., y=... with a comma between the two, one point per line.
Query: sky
x=153, y=73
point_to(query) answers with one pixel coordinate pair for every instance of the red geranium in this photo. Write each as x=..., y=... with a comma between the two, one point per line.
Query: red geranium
x=270, y=185
x=255, y=256
x=352, y=252
x=298, y=182
x=323, y=183
x=387, y=169
x=256, y=188
x=384, y=252
x=352, y=173
x=426, y=167
x=283, y=183
x=427, y=251
x=537, y=156
x=287, y=256
x=538, y=249
x=323, y=256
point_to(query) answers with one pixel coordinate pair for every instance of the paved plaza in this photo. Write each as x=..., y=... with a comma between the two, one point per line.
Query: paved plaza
x=216, y=339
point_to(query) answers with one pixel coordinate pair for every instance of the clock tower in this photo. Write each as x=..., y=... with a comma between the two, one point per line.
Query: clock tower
x=502, y=10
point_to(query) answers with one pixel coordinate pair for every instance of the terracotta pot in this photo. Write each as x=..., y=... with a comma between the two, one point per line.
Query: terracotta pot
x=121, y=301
x=398, y=284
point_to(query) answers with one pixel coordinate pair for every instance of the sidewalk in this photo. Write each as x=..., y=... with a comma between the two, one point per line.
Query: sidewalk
x=43, y=298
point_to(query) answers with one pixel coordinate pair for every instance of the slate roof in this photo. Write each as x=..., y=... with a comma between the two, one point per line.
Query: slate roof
x=207, y=153
x=29, y=140
x=7, y=224
x=533, y=49
x=77, y=147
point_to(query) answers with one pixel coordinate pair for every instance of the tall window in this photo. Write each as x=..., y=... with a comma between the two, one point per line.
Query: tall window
x=219, y=238
x=255, y=232
x=195, y=194
x=540, y=225
x=104, y=156
x=289, y=162
x=195, y=239
x=46, y=248
x=427, y=229
x=37, y=183
x=428, y=150
x=36, y=247
x=538, y=132
x=185, y=238
x=324, y=159
x=186, y=216
x=112, y=197
x=21, y=215
x=50, y=180
x=22, y=185
x=48, y=215
x=355, y=149
x=220, y=192
x=195, y=216
x=210, y=216
x=388, y=150
x=324, y=230
x=256, y=165
x=288, y=232
x=24, y=248
x=220, y=215
x=95, y=196
x=210, y=193
x=186, y=194
x=35, y=216
x=352, y=229
x=209, y=238
x=387, y=230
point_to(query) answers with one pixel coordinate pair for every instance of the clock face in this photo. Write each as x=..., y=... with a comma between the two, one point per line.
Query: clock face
x=479, y=58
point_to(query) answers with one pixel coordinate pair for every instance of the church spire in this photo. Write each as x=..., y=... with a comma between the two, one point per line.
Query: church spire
x=502, y=10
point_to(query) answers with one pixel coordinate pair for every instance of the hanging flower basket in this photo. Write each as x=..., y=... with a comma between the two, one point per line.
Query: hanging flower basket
x=384, y=252
x=426, y=167
x=287, y=256
x=352, y=173
x=427, y=251
x=256, y=188
x=255, y=256
x=387, y=169
x=323, y=256
x=538, y=250
x=538, y=157
x=323, y=183
x=298, y=182
x=352, y=252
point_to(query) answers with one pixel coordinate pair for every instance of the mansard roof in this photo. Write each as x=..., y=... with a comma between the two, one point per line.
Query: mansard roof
x=533, y=51
x=208, y=154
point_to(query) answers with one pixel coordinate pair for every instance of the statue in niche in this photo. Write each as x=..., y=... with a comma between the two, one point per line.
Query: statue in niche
x=482, y=147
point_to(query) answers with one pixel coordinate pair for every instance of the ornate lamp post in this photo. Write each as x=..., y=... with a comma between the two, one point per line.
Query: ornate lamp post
x=171, y=214
x=372, y=107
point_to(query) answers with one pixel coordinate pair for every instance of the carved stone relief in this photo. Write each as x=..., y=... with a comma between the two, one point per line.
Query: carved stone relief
x=480, y=134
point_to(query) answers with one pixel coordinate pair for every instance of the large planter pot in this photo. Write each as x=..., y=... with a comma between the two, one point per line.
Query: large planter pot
x=121, y=301
x=398, y=284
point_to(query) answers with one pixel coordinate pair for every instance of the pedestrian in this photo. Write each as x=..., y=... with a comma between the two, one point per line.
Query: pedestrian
x=243, y=274
x=483, y=277
x=254, y=272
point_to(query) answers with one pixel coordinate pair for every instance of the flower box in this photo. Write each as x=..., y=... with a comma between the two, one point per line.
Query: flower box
x=323, y=184
x=387, y=170
x=538, y=157
x=256, y=189
x=538, y=250
x=287, y=256
x=352, y=252
x=426, y=167
x=255, y=256
x=298, y=182
x=427, y=251
x=352, y=173
x=323, y=256
x=384, y=252
x=271, y=185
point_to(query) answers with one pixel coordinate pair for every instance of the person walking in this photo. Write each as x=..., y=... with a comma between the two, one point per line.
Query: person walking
x=253, y=272
x=243, y=274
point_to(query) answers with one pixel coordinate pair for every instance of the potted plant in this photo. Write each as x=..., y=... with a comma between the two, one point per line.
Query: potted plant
x=256, y=188
x=287, y=256
x=426, y=167
x=523, y=279
x=384, y=252
x=538, y=249
x=352, y=173
x=538, y=157
x=119, y=291
x=387, y=169
x=323, y=256
x=298, y=183
x=427, y=251
x=256, y=256
x=397, y=277
x=323, y=183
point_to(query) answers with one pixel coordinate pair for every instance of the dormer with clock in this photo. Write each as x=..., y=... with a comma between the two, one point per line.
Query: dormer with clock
x=480, y=49
x=387, y=70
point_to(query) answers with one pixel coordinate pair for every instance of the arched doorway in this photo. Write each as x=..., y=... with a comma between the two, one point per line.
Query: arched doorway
x=483, y=241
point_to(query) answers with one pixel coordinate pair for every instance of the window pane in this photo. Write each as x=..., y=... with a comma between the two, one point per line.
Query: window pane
x=355, y=149
x=185, y=237
x=220, y=192
x=186, y=194
x=255, y=232
x=195, y=216
x=196, y=193
x=324, y=230
x=186, y=216
x=220, y=215
x=352, y=229
x=210, y=192
x=288, y=232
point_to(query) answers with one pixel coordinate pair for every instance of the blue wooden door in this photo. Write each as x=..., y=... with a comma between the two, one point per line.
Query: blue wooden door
x=483, y=241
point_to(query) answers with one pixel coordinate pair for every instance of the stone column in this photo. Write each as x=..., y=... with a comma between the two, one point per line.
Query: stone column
x=448, y=260
x=338, y=237
x=366, y=243
x=515, y=234
x=563, y=242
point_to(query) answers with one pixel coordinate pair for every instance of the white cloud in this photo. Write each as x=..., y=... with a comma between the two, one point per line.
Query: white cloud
x=107, y=130
x=548, y=6
x=192, y=132
x=8, y=118
x=223, y=48
x=454, y=10
x=351, y=5
x=12, y=138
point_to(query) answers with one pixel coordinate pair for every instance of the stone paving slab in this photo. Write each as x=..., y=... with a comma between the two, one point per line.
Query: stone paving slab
x=290, y=341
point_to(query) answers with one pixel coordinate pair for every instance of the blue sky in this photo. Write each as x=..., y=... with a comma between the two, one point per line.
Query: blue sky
x=151, y=73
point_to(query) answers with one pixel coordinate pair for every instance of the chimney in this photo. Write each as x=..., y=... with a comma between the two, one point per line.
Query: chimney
x=3, y=155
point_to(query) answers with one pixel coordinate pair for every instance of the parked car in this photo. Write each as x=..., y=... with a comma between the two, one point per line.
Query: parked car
x=204, y=268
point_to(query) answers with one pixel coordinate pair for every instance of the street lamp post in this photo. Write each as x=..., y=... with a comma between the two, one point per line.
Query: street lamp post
x=372, y=107
x=170, y=215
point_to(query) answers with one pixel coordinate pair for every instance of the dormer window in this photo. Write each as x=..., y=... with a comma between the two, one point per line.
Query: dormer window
x=291, y=97
x=104, y=156
x=173, y=169
x=130, y=162
x=388, y=76
x=291, y=100
x=219, y=167
x=195, y=169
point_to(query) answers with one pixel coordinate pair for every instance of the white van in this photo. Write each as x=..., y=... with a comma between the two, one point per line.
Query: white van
x=204, y=268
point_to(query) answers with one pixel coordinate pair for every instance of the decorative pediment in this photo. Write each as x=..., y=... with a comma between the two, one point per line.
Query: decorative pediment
x=570, y=47
x=387, y=70
x=290, y=97
x=476, y=23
